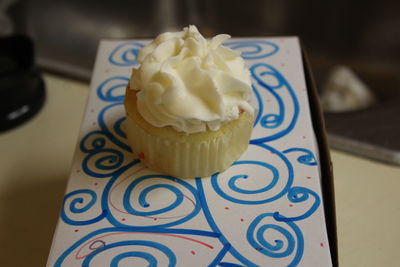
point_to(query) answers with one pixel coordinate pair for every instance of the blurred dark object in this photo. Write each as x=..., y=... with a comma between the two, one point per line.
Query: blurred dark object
x=374, y=131
x=21, y=87
x=362, y=35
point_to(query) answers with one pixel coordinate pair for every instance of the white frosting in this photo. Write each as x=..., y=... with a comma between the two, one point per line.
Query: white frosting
x=191, y=83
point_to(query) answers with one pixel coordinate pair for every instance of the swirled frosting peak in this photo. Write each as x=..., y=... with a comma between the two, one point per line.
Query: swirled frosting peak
x=190, y=83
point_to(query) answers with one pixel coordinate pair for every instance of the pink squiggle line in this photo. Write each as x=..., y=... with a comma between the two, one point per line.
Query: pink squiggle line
x=77, y=257
x=150, y=217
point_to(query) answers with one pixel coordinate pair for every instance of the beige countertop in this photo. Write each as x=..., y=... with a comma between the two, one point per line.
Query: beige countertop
x=35, y=160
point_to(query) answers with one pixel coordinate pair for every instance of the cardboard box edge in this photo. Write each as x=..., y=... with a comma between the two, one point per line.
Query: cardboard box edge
x=327, y=184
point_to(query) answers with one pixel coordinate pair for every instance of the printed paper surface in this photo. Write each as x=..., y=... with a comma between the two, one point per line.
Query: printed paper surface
x=265, y=210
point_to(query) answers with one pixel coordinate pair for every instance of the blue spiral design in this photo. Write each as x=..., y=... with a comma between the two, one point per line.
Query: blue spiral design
x=215, y=228
x=171, y=184
x=253, y=49
x=118, y=127
x=78, y=205
x=113, y=89
x=307, y=158
x=273, y=122
x=145, y=204
x=150, y=258
x=234, y=179
x=93, y=141
x=100, y=162
x=230, y=264
x=129, y=244
x=125, y=54
x=259, y=193
x=294, y=244
x=260, y=106
x=114, y=133
x=299, y=194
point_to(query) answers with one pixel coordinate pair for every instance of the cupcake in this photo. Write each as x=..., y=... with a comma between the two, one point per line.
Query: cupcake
x=187, y=105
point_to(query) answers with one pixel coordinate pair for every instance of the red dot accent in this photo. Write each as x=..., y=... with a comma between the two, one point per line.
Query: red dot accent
x=123, y=219
x=304, y=137
x=308, y=177
x=290, y=205
x=227, y=208
x=76, y=230
x=272, y=152
x=141, y=155
x=155, y=219
x=193, y=252
x=241, y=220
x=321, y=244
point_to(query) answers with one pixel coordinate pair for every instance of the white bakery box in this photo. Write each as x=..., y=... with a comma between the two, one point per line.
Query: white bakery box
x=273, y=207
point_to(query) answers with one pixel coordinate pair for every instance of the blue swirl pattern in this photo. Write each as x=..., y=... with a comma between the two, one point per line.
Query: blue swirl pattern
x=227, y=187
x=178, y=187
x=137, y=254
x=100, y=162
x=254, y=49
x=307, y=158
x=113, y=89
x=106, y=156
x=278, y=123
x=256, y=237
x=153, y=251
x=78, y=206
x=125, y=54
x=299, y=194
x=111, y=115
x=151, y=260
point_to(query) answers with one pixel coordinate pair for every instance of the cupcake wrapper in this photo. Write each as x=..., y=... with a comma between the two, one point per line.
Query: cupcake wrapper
x=185, y=159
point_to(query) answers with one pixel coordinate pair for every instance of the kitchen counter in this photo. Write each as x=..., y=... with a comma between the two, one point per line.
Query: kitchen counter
x=35, y=160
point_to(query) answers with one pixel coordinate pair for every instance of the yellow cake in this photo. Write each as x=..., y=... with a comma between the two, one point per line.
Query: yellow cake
x=187, y=105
